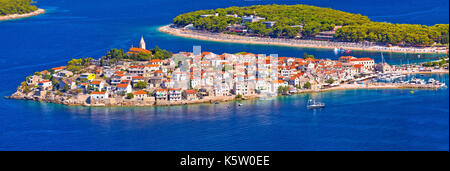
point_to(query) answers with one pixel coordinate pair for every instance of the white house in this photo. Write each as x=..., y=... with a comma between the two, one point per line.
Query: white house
x=96, y=95
x=174, y=94
x=44, y=85
x=124, y=88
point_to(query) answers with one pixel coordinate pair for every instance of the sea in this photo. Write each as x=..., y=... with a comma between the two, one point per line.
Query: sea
x=353, y=120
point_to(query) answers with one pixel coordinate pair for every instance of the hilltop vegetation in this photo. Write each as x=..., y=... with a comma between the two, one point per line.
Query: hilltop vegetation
x=399, y=34
x=315, y=19
x=356, y=28
x=115, y=55
x=16, y=7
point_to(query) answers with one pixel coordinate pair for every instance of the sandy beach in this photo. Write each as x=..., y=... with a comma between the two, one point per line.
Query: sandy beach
x=220, y=37
x=18, y=16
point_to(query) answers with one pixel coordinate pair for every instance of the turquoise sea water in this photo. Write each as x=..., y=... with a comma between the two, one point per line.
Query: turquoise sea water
x=353, y=119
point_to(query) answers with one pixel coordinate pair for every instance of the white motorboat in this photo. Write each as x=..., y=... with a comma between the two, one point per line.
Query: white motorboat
x=312, y=104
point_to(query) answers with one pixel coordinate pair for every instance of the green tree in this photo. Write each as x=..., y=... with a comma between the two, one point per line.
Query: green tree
x=239, y=96
x=8, y=7
x=141, y=84
x=159, y=53
x=306, y=56
x=66, y=87
x=130, y=95
x=283, y=89
x=329, y=81
x=48, y=77
x=307, y=85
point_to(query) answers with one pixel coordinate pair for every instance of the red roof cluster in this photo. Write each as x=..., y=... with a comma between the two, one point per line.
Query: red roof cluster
x=135, y=50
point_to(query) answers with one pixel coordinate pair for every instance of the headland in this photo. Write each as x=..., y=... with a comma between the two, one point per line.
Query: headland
x=19, y=16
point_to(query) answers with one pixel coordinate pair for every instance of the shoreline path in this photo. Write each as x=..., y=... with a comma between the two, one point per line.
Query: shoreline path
x=220, y=37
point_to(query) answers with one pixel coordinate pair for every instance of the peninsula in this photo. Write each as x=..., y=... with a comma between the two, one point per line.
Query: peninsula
x=308, y=26
x=142, y=77
x=16, y=9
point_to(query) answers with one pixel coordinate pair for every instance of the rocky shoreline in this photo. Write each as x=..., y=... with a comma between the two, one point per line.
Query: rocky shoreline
x=83, y=100
x=18, y=16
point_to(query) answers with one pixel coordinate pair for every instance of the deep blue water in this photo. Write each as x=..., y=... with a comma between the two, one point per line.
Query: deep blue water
x=353, y=120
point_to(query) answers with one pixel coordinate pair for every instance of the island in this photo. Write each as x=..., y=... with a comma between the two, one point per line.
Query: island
x=16, y=9
x=308, y=26
x=141, y=77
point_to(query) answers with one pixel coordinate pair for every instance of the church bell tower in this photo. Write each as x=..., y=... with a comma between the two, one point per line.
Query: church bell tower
x=142, y=43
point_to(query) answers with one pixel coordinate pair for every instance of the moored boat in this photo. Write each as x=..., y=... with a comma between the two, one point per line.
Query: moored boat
x=312, y=104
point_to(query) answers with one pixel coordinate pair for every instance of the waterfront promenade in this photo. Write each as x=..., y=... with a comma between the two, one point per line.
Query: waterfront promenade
x=221, y=37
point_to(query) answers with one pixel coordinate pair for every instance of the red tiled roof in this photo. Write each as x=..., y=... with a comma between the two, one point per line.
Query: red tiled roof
x=95, y=82
x=59, y=68
x=278, y=81
x=155, y=60
x=190, y=91
x=361, y=59
x=358, y=65
x=137, y=77
x=153, y=65
x=135, y=50
x=137, y=66
x=122, y=85
x=139, y=92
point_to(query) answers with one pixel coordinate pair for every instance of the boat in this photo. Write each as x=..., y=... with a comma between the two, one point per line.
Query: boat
x=432, y=81
x=342, y=50
x=312, y=104
x=239, y=104
x=336, y=51
x=216, y=103
x=417, y=81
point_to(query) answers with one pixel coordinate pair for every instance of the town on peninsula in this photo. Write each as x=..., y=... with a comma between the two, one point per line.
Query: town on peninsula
x=142, y=77
x=147, y=77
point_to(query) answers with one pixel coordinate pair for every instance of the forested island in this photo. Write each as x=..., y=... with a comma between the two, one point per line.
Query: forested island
x=312, y=23
x=14, y=9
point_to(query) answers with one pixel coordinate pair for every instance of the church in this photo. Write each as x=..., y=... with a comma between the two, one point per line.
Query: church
x=141, y=48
